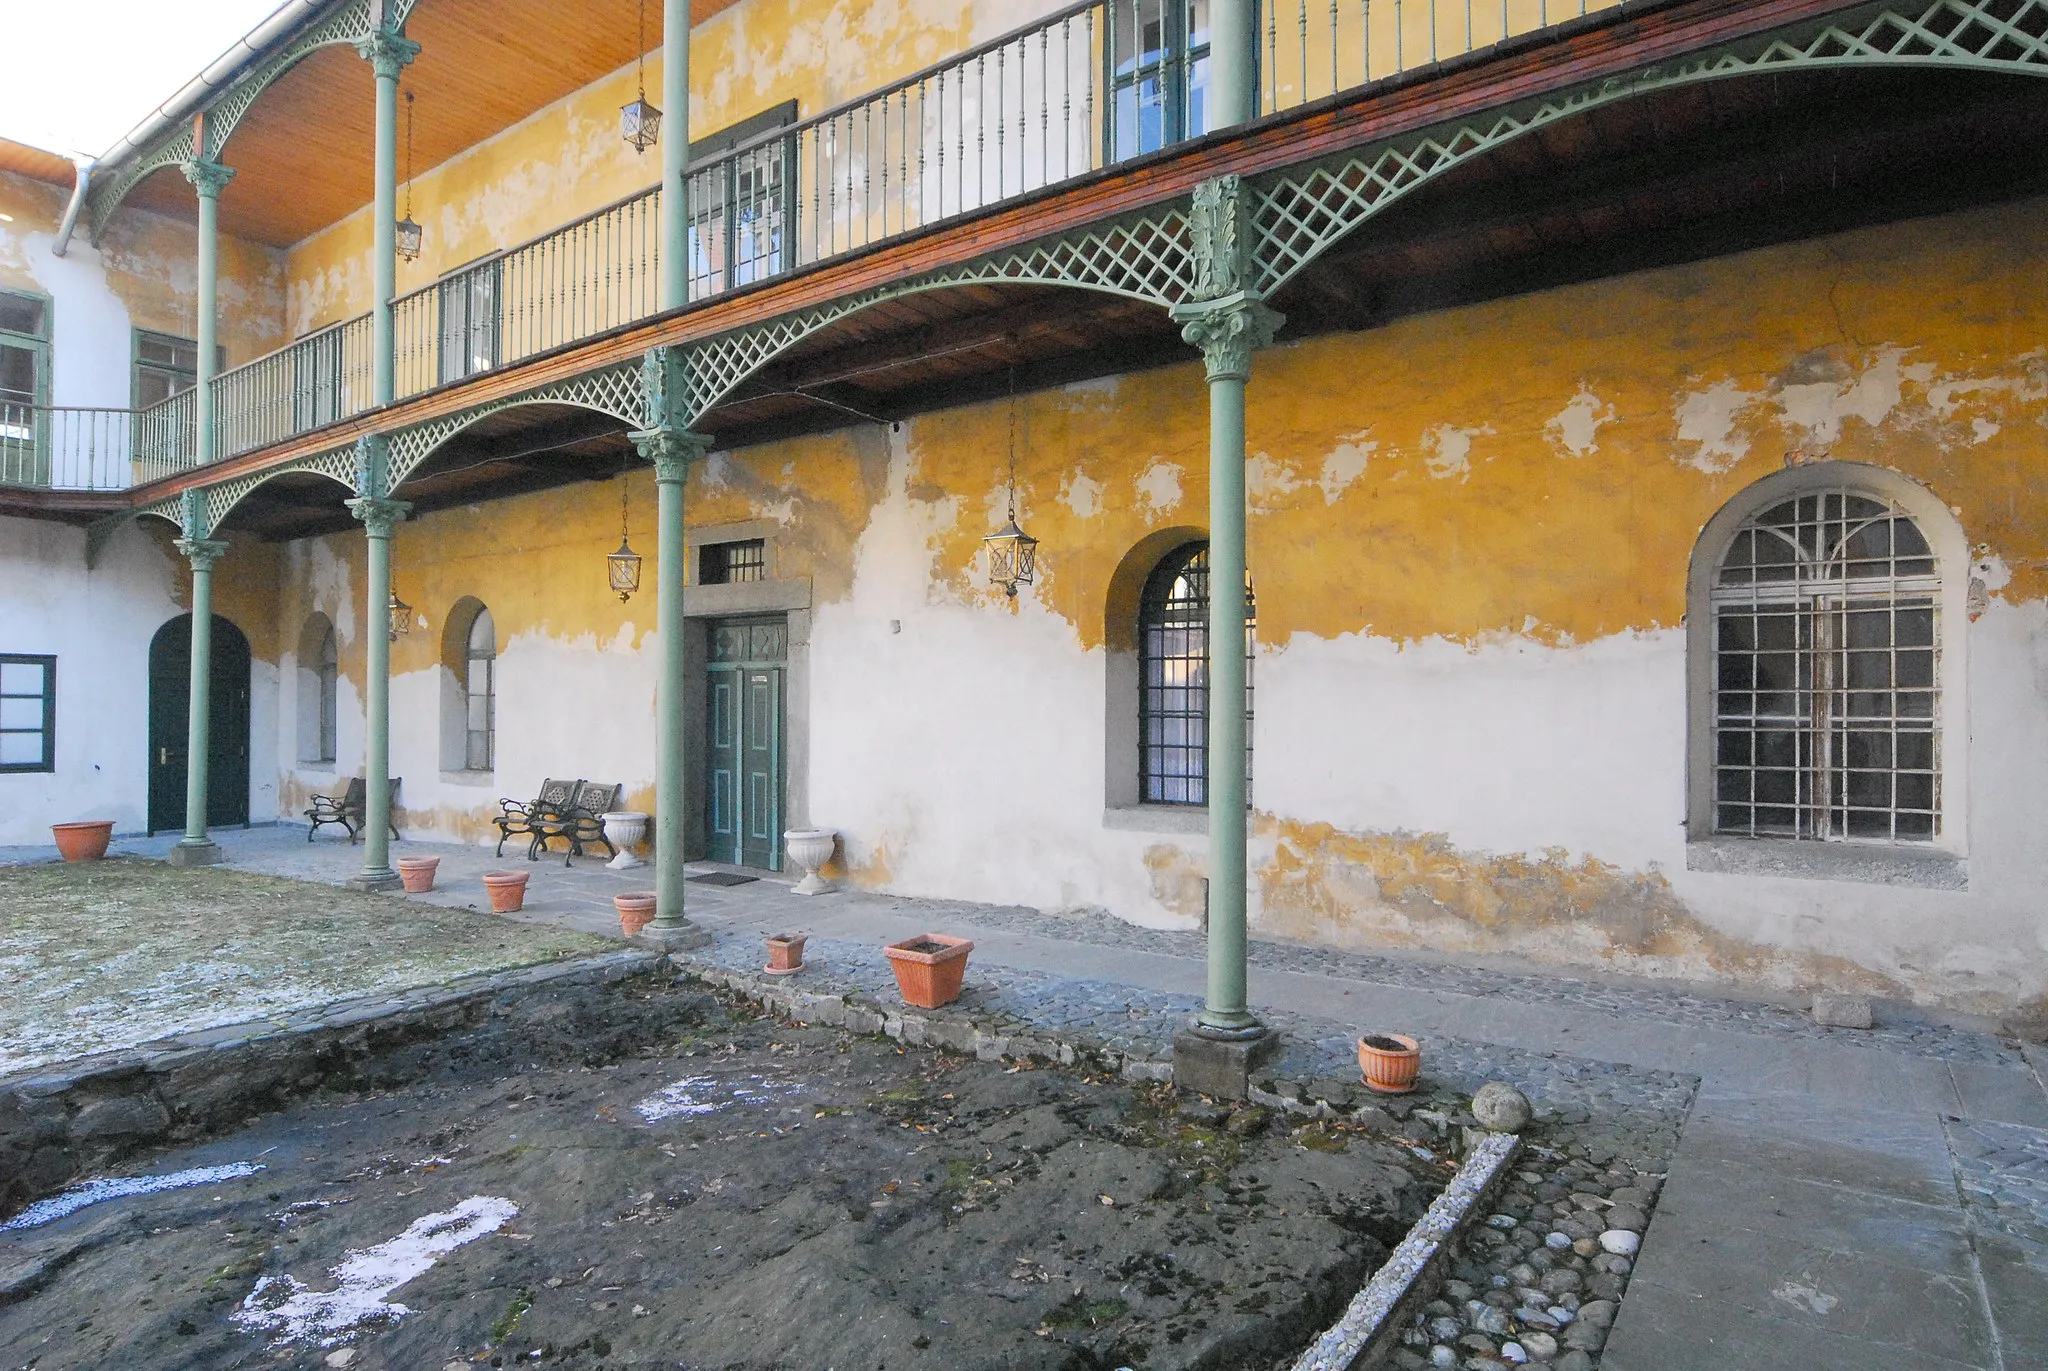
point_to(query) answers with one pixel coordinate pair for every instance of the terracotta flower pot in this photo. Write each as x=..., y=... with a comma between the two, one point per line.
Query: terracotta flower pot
x=508, y=890
x=1389, y=1062
x=417, y=873
x=929, y=968
x=785, y=954
x=636, y=910
x=85, y=841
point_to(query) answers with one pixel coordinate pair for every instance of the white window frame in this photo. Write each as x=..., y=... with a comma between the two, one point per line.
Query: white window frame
x=1941, y=863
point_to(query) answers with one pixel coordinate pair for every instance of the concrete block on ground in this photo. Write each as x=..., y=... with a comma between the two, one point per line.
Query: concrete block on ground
x=1219, y=1067
x=1842, y=1011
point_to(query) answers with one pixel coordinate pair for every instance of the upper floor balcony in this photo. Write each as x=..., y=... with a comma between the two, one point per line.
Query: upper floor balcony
x=1087, y=88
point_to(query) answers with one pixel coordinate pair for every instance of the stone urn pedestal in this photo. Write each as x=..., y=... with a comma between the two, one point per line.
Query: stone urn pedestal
x=624, y=829
x=810, y=848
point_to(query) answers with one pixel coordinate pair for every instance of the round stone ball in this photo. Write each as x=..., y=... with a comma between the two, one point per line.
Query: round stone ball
x=1501, y=1108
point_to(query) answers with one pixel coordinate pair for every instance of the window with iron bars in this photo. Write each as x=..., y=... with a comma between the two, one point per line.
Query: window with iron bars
x=1173, y=680
x=1826, y=684
x=720, y=564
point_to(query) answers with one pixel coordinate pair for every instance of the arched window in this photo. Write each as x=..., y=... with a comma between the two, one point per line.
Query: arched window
x=479, y=692
x=319, y=680
x=1173, y=679
x=1827, y=677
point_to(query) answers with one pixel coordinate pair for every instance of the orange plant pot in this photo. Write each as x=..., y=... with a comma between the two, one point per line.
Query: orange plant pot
x=636, y=910
x=929, y=968
x=1389, y=1062
x=507, y=889
x=417, y=873
x=785, y=954
x=85, y=841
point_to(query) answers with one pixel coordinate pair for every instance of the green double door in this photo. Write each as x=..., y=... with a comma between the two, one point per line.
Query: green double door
x=743, y=756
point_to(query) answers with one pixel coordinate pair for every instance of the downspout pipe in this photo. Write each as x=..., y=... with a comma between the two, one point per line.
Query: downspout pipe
x=81, y=179
x=175, y=113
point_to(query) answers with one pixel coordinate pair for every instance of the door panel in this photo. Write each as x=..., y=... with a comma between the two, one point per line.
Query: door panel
x=743, y=782
x=170, y=697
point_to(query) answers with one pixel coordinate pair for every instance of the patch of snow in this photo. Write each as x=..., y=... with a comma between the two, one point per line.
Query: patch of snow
x=707, y=1095
x=114, y=1188
x=295, y=1312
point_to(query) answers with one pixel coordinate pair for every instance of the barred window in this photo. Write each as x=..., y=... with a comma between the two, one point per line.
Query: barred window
x=1173, y=680
x=1826, y=675
x=720, y=564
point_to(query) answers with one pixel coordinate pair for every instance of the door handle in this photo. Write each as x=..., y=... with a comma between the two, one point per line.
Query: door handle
x=163, y=756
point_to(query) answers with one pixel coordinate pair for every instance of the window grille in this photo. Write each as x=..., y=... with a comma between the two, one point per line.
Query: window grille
x=28, y=713
x=327, y=670
x=479, y=690
x=1827, y=651
x=720, y=564
x=1173, y=680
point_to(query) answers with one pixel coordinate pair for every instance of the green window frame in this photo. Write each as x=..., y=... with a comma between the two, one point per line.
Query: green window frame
x=164, y=365
x=28, y=712
x=25, y=330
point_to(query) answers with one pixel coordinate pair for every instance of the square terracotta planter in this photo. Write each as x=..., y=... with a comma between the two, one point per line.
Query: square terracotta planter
x=785, y=954
x=929, y=968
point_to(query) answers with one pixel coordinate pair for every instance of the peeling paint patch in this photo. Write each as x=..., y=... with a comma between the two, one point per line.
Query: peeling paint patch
x=1707, y=419
x=1179, y=880
x=1345, y=463
x=1820, y=391
x=1450, y=450
x=1159, y=490
x=1082, y=495
x=1267, y=481
x=95, y=1192
x=1573, y=429
x=295, y=1312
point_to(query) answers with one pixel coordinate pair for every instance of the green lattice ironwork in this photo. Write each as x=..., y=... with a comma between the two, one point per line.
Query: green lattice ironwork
x=1142, y=256
x=350, y=24
x=616, y=391
x=1301, y=212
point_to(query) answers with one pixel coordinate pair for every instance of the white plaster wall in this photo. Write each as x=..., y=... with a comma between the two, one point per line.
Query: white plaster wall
x=98, y=625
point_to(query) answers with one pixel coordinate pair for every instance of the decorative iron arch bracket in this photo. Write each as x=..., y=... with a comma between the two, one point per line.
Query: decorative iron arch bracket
x=1298, y=214
x=616, y=391
x=348, y=25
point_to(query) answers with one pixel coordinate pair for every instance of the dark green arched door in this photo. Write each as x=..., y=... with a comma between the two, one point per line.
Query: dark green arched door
x=170, y=695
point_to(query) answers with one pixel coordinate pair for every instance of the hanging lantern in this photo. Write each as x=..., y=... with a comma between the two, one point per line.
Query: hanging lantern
x=623, y=566
x=640, y=122
x=1012, y=553
x=409, y=232
x=400, y=614
x=1012, y=556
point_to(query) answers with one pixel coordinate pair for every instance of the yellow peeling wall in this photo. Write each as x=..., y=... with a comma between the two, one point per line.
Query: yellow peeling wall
x=568, y=159
x=146, y=262
x=1469, y=542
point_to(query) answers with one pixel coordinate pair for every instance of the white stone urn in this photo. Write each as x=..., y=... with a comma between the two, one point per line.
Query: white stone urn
x=810, y=848
x=624, y=829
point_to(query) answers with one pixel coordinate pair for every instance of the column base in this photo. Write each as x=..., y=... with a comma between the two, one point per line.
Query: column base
x=1220, y=1067
x=678, y=937
x=204, y=852
x=376, y=880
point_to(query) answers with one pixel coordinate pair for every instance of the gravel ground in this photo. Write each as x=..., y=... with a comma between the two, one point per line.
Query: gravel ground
x=754, y=1195
x=101, y=955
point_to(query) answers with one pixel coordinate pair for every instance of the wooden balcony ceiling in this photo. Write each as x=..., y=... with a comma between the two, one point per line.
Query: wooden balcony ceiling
x=304, y=153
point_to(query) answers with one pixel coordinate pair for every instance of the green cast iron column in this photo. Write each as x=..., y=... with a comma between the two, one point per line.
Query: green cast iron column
x=675, y=153
x=1228, y=323
x=195, y=848
x=670, y=450
x=379, y=516
x=209, y=179
x=1233, y=62
x=388, y=53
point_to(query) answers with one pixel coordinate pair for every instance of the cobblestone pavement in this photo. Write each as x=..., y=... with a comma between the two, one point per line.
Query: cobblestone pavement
x=1814, y=1209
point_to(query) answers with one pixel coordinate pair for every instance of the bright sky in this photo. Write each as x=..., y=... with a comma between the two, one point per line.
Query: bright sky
x=87, y=71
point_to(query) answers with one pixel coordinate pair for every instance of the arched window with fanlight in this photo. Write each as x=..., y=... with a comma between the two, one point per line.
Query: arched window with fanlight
x=1173, y=679
x=469, y=655
x=1827, y=604
x=319, y=679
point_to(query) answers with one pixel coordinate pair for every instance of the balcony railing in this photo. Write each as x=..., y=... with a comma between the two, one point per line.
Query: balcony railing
x=67, y=447
x=1085, y=88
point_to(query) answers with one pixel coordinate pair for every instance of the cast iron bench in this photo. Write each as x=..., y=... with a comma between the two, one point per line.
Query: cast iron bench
x=578, y=822
x=347, y=809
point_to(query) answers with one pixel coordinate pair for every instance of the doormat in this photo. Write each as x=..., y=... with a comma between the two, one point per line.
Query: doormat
x=721, y=878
